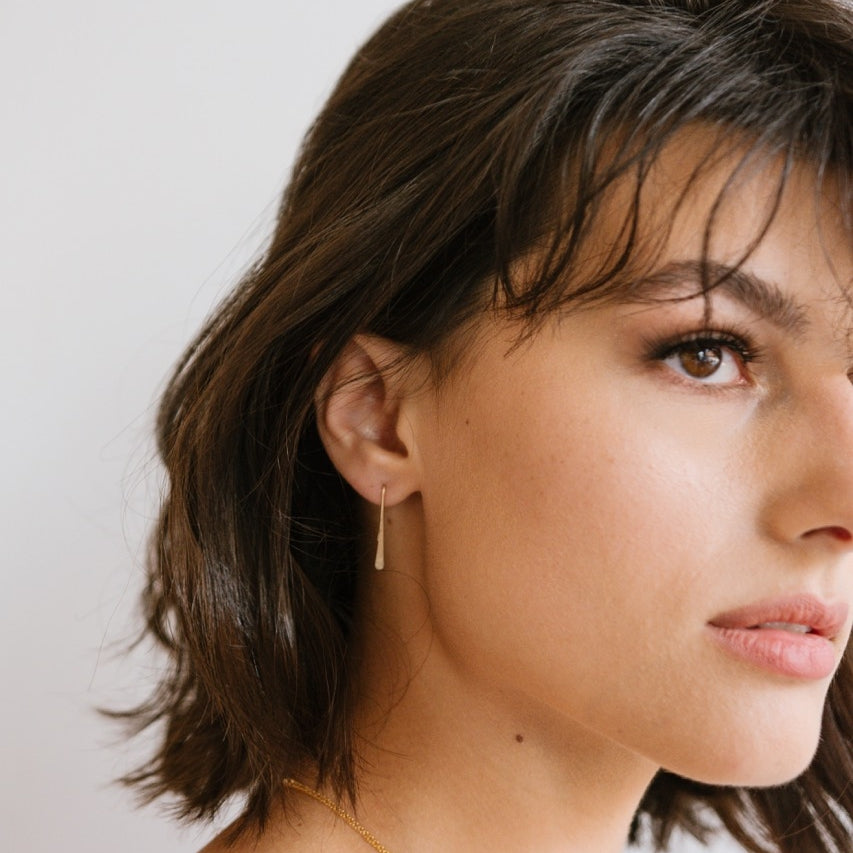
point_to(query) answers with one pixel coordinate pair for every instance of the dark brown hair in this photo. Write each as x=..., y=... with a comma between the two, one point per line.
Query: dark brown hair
x=461, y=133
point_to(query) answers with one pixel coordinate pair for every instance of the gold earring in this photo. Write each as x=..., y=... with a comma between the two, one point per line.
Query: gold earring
x=380, y=537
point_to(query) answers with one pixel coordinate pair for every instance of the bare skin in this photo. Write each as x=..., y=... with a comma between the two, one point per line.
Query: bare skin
x=566, y=519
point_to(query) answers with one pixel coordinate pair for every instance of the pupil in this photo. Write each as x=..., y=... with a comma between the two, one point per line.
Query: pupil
x=701, y=362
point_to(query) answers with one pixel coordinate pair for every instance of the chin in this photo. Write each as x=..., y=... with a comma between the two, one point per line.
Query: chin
x=755, y=751
x=754, y=766
x=761, y=775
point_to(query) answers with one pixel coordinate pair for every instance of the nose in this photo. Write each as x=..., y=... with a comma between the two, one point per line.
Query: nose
x=811, y=502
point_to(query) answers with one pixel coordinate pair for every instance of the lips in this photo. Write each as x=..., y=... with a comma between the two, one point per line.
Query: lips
x=787, y=636
x=825, y=620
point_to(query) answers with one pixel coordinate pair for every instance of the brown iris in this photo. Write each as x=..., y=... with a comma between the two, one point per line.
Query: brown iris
x=701, y=361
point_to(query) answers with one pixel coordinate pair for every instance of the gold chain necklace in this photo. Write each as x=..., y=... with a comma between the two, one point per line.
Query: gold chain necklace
x=345, y=816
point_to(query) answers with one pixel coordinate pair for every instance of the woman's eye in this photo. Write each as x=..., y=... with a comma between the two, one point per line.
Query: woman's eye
x=708, y=362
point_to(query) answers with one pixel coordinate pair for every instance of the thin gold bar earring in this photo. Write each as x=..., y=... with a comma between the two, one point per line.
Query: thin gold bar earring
x=380, y=536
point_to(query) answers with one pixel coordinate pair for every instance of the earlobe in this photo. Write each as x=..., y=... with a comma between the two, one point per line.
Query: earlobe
x=365, y=420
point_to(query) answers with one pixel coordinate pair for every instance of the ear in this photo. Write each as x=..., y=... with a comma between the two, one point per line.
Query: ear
x=366, y=420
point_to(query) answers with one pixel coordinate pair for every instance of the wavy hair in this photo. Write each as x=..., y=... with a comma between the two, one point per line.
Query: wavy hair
x=462, y=132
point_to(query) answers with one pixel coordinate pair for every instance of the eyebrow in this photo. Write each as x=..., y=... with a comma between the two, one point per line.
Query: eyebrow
x=761, y=297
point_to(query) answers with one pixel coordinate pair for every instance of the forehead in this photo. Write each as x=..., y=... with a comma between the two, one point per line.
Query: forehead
x=709, y=213
x=714, y=211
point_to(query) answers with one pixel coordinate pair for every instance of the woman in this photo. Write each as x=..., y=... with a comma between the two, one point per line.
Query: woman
x=511, y=494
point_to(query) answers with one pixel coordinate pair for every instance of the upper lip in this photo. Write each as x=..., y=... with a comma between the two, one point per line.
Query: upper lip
x=823, y=618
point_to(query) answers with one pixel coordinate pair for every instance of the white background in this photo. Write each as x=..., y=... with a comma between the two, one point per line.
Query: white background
x=144, y=146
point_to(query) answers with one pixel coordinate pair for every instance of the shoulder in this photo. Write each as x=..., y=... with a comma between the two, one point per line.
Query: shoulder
x=313, y=834
x=246, y=844
x=269, y=841
x=218, y=845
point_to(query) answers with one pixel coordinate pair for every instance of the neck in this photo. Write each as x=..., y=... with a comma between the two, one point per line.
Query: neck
x=456, y=762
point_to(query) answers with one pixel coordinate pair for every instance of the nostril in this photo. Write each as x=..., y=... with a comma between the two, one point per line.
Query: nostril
x=842, y=534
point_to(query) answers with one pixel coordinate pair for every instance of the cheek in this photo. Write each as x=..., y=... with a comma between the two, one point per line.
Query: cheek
x=575, y=549
x=577, y=491
x=562, y=521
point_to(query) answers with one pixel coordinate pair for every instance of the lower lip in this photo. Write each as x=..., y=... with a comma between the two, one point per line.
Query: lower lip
x=808, y=656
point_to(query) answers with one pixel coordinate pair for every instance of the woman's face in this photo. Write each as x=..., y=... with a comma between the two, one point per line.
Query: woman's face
x=602, y=502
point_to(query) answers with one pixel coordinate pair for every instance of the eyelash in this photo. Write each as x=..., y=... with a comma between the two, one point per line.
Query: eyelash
x=737, y=341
